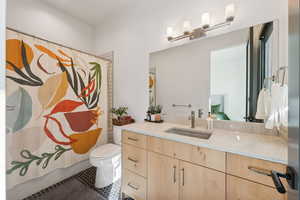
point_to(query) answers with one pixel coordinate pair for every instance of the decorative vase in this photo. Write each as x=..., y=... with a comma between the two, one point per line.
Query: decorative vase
x=153, y=117
x=157, y=117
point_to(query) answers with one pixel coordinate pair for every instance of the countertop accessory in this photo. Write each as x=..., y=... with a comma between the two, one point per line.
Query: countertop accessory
x=160, y=121
x=182, y=105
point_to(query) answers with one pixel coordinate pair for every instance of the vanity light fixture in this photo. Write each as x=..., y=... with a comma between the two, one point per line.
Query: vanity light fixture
x=205, y=20
x=230, y=12
x=170, y=33
x=187, y=28
x=190, y=33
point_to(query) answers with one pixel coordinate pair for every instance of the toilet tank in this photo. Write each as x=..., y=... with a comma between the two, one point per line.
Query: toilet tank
x=117, y=135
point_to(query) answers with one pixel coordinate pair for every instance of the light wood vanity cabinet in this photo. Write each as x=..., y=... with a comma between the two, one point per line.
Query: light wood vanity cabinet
x=202, y=156
x=163, y=177
x=251, y=169
x=160, y=169
x=241, y=189
x=197, y=183
x=135, y=159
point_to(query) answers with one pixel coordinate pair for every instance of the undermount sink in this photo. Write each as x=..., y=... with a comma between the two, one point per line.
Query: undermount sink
x=190, y=133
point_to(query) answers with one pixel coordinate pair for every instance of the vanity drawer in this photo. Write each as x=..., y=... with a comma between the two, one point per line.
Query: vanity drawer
x=134, y=139
x=249, y=168
x=241, y=189
x=135, y=159
x=198, y=155
x=134, y=185
x=170, y=148
x=209, y=158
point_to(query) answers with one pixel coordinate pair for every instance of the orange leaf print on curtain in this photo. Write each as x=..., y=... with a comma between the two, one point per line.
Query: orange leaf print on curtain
x=51, y=53
x=13, y=53
x=63, y=106
x=53, y=90
x=85, y=141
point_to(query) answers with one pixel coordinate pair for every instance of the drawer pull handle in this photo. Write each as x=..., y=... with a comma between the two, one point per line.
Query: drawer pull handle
x=174, y=174
x=133, y=186
x=132, y=139
x=133, y=160
x=261, y=171
x=182, y=176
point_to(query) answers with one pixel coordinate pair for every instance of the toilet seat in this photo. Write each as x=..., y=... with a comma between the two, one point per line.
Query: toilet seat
x=105, y=151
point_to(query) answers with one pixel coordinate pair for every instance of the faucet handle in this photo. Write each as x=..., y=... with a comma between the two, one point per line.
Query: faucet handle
x=200, y=113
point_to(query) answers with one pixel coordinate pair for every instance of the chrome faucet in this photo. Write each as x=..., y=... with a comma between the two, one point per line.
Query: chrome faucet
x=193, y=119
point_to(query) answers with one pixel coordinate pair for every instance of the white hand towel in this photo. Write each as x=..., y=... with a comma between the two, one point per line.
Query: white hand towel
x=283, y=111
x=263, y=104
x=260, y=108
x=276, y=100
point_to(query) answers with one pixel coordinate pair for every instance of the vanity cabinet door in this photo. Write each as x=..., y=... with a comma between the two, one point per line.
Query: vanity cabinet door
x=241, y=189
x=200, y=183
x=163, y=177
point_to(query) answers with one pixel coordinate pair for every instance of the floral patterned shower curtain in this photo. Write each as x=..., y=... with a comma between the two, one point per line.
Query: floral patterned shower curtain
x=56, y=102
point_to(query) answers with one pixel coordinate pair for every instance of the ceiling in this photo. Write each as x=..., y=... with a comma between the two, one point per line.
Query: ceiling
x=92, y=11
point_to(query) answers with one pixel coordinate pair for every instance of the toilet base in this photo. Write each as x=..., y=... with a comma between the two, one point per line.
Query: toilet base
x=108, y=172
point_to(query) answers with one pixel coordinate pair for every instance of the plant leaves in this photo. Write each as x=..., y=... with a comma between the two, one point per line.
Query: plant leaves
x=18, y=71
x=94, y=97
x=26, y=64
x=89, y=80
x=41, y=67
x=23, y=82
x=74, y=78
x=22, y=112
x=82, y=86
x=96, y=102
x=50, y=53
x=63, y=53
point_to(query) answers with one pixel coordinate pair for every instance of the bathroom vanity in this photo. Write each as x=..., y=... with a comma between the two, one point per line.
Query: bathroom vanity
x=232, y=77
x=160, y=165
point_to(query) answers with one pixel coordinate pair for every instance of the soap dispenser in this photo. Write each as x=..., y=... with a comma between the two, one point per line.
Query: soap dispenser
x=210, y=122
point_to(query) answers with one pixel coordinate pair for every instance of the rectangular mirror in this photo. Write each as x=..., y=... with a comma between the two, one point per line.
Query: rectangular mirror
x=222, y=74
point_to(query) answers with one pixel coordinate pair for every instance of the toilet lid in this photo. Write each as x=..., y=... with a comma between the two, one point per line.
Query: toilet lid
x=106, y=151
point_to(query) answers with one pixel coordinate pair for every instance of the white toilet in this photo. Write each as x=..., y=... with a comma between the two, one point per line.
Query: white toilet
x=107, y=159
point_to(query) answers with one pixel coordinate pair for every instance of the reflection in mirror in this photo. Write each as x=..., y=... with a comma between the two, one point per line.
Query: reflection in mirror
x=223, y=75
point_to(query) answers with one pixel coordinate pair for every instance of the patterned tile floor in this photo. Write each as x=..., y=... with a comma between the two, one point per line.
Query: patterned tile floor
x=79, y=187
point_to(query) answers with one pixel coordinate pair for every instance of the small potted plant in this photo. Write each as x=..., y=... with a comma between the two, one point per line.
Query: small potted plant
x=155, y=112
x=122, y=116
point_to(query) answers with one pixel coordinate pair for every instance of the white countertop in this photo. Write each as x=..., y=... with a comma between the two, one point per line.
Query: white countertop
x=266, y=147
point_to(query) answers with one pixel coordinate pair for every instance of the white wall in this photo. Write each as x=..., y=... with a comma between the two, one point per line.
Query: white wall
x=183, y=73
x=132, y=36
x=40, y=19
x=228, y=78
x=2, y=99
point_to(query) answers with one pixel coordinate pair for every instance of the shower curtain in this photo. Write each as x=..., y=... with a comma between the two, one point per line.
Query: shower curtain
x=56, y=106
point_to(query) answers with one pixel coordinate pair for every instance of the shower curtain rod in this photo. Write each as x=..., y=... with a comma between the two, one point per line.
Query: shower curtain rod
x=61, y=45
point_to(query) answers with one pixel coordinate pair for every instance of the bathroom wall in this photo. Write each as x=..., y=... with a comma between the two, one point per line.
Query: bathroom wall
x=133, y=35
x=183, y=74
x=42, y=20
x=37, y=18
x=2, y=99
